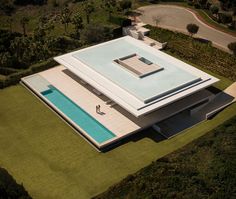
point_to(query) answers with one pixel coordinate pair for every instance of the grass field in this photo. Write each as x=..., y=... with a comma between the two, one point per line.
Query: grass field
x=52, y=161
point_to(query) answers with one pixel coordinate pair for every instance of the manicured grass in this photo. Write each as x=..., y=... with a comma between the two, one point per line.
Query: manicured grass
x=52, y=161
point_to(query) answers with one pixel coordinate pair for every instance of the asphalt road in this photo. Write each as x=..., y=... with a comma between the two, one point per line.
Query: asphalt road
x=177, y=18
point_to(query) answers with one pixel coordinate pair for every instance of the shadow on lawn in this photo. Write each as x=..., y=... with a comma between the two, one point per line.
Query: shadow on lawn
x=147, y=133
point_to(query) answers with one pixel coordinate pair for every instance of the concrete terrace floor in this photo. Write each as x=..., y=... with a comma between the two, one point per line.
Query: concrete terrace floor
x=114, y=117
x=52, y=161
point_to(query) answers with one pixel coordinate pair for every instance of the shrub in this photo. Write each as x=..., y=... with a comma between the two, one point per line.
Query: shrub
x=214, y=9
x=192, y=29
x=232, y=25
x=125, y=4
x=120, y=20
x=204, y=55
x=208, y=5
x=232, y=47
x=27, y=2
x=202, y=3
x=9, y=188
x=96, y=33
x=190, y=3
x=197, y=6
x=234, y=11
x=225, y=18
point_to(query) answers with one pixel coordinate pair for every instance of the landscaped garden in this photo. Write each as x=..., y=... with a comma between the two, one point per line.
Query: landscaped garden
x=204, y=168
x=32, y=34
x=197, y=52
x=52, y=161
x=47, y=155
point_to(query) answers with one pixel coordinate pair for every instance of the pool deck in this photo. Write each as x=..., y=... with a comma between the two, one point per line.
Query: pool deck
x=113, y=117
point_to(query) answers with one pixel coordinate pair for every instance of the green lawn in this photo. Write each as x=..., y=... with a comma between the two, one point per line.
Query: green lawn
x=52, y=161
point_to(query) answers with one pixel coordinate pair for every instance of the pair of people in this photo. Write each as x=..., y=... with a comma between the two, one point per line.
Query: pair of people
x=98, y=109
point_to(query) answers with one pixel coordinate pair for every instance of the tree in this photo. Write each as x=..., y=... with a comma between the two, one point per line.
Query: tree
x=192, y=29
x=202, y=3
x=214, y=10
x=78, y=24
x=24, y=21
x=109, y=6
x=10, y=21
x=96, y=33
x=88, y=7
x=7, y=7
x=65, y=17
x=18, y=47
x=125, y=5
x=156, y=19
x=232, y=47
x=225, y=18
x=45, y=26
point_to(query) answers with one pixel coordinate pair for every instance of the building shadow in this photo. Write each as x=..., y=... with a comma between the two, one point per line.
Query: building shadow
x=136, y=137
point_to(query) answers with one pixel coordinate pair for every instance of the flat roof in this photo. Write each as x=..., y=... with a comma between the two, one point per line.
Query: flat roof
x=139, y=96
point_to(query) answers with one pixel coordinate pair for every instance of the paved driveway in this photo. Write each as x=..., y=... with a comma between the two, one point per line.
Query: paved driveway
x=176, y=18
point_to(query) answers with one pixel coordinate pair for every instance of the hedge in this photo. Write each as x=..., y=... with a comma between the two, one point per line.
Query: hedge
x=14, y=78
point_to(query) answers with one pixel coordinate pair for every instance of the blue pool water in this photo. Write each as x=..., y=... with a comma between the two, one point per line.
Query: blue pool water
x=91, y=126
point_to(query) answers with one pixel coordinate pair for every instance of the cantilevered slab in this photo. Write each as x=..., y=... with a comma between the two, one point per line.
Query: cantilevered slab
x=139, y=96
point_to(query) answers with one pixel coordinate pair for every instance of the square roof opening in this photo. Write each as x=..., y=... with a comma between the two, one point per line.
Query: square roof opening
x=137, y=65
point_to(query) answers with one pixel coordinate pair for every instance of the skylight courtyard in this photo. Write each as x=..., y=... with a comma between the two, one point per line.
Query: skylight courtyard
x=135, y=86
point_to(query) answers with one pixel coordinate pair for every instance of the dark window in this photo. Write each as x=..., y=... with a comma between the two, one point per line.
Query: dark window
x=146, y=61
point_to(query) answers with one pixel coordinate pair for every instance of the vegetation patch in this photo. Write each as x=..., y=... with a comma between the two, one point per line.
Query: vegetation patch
x=9, y=187
x=196, y=51
x=203, y=169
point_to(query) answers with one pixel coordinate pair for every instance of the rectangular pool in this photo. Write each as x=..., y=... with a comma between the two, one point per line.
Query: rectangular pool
x=85, y=121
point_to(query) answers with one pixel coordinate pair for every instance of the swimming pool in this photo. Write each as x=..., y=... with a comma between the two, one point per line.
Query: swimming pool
x=80, y=117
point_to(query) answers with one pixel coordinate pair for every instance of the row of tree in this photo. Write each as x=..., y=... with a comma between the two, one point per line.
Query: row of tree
x=223, y=14
x=25, y=49
x=193, y=29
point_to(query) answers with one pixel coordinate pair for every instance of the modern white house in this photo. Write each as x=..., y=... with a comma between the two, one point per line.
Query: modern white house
x=114, y=89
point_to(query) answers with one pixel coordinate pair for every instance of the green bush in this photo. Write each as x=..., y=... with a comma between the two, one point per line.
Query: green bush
x=120, y=20
x=214, y=9
x=96, y=33
x=232, y=47
x=197, y=6
x=9, y=188
x=225, y=18
x=196, y=52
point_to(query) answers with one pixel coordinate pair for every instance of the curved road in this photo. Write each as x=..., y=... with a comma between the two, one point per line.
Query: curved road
x=176, y=18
